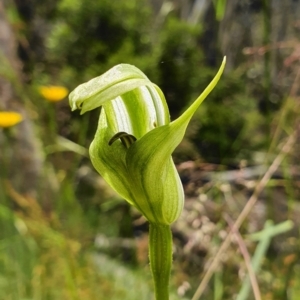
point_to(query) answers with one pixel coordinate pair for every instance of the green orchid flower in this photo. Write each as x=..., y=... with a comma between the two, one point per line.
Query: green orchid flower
x=132, y=151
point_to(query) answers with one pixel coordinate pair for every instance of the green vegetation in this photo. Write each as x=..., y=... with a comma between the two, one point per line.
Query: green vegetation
x=134, y=115
x=54, y=207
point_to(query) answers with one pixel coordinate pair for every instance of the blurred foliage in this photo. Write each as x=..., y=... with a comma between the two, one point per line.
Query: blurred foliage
x=86, y=40
x=82, y=41
x=40, y=259
x=224, y=134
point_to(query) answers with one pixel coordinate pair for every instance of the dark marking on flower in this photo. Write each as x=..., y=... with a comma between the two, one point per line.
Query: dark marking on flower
x=126, y=139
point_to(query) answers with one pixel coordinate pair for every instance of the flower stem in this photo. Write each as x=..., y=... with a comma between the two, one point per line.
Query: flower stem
x=160, y=256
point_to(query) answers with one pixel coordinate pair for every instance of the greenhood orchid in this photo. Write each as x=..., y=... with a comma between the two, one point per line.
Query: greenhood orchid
x=132, y=149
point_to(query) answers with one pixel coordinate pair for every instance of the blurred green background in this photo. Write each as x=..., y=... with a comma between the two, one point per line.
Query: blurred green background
x=64, y=234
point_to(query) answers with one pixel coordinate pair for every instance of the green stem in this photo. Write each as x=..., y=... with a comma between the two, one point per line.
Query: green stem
x=160, y=256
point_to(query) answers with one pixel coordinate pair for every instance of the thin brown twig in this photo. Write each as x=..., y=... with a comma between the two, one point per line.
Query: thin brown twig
x=247, y=258
x=266, y=48
x=243, y=215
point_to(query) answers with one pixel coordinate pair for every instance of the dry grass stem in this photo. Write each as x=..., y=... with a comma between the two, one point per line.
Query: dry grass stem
x=246, y=256
x=245, y=212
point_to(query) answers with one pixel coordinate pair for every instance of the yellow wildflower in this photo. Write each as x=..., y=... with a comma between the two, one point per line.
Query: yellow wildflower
x=53, y=93
x=9, y=118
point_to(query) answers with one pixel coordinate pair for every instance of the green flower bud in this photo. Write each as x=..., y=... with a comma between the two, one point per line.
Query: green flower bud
x=135, y=139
